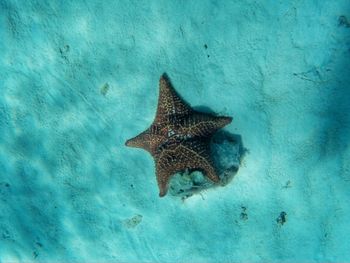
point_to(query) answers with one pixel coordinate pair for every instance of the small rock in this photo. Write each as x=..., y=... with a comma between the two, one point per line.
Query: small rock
x=282, y=218
x=343, y=21
x=288, y=184
x=244, y=215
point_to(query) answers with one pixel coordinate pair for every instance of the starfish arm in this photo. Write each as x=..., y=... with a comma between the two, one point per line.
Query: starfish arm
x=204, y=125
x=189, y=155
x=169, y=102
x=145, y=140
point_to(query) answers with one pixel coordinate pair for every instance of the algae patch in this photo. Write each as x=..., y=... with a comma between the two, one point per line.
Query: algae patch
x=104, y=89
x=132, y=222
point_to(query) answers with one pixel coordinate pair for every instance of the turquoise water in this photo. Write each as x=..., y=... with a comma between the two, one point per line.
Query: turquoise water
x=79, y=78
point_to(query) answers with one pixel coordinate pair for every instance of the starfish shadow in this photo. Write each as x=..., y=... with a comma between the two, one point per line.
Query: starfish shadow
x=228, y=152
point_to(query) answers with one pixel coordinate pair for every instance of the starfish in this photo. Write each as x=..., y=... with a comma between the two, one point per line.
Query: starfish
x=179, y=137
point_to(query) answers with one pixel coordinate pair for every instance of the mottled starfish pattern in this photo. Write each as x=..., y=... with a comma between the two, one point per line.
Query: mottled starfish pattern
x=179, y=137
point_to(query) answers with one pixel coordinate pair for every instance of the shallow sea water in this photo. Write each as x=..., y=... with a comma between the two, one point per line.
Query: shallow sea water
x=79, y=78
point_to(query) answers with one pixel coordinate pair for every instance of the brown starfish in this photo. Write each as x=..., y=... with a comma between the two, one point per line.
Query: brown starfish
x=179, y=137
